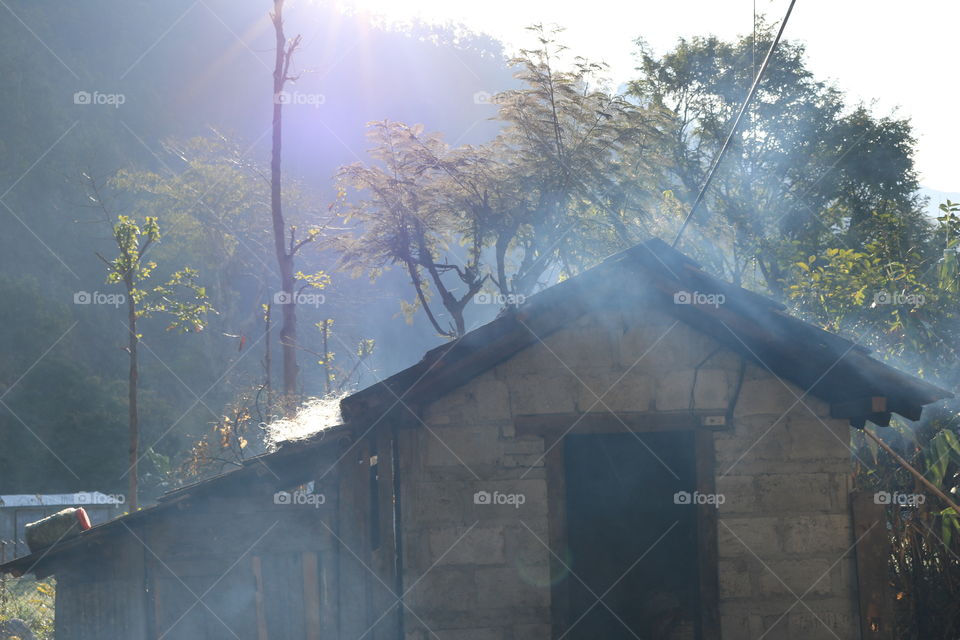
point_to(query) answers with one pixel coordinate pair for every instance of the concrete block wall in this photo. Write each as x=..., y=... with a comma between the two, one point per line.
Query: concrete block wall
x=785, y=531
x=481, y=571
x=475, y=569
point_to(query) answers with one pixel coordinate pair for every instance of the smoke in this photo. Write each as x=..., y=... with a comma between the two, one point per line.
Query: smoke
x=314, y=416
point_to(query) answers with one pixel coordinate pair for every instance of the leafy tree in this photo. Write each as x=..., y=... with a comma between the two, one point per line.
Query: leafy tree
x=405, y=222
x=805, y=172
x=553, y=193
x=212, y=196
x=582, y=156
x=903, y=305
x=180, y=298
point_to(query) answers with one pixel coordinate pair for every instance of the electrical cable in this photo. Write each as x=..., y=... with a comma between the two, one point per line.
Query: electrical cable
x=736, y=125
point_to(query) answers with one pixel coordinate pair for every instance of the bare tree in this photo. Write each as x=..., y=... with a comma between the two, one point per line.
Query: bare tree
x=285, y=248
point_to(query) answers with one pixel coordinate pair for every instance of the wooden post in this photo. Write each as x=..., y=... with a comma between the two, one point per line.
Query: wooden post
x=873, y=556
x=353, y=532
x=311, y=594
x=329, y=594
x=557, y=529
x=916, y=474
x=707, y=548
x=385, y=556
x=329, y=474
x=261, y=614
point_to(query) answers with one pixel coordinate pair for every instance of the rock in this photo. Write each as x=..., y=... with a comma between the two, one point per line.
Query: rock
x=15, y=630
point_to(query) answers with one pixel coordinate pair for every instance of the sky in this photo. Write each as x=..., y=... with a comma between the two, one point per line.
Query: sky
x=898, y=56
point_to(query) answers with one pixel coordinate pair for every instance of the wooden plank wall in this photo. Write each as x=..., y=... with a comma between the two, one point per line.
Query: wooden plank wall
x=235, y=564
x=369, y=585
x=354, y=540
x=238, y=564
x=101, y=596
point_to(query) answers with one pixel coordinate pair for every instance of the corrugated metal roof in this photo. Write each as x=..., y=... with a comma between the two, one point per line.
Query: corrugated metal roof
x=59, y=499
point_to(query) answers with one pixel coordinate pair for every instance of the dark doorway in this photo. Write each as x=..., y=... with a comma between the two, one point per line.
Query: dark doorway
x=632, y=544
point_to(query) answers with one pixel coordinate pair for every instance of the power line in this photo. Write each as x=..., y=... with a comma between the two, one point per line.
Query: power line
x=736, y=125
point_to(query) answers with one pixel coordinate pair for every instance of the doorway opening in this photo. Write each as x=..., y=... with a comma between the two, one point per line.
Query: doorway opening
x=631, y=534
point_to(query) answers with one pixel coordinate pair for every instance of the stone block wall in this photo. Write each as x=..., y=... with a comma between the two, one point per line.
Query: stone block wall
x=785, y=533
x=475, y=492
x=475, y=569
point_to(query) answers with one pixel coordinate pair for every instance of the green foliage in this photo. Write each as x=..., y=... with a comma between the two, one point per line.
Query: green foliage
x=31, y=601
x=924, y=532
x=805, y=170
x=318, y=280
x=337, y=378
x=181, y=297
x=948, y=237
x=840, y=284
x=404, y=219
x=212, y=198
x=133, y=240
x=904, y=308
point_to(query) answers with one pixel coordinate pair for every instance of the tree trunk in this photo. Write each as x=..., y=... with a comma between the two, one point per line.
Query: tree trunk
x=267, y=359
x=418, y=285
x=288, y=324
x=327, y=371
x=133, y=414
